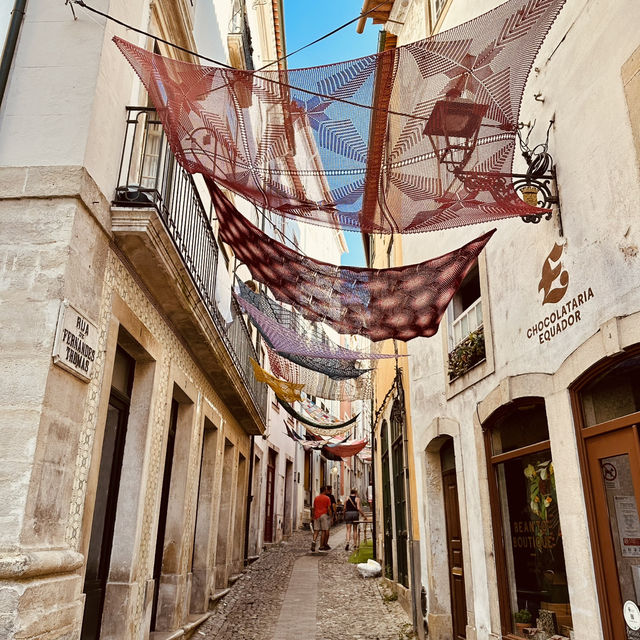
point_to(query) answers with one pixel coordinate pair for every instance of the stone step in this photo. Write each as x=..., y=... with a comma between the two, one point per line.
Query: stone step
x=194, y=621
x=166, y=635
x=217, y=596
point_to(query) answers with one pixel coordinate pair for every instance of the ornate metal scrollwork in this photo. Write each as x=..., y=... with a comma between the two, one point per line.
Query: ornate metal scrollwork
x=537, y=187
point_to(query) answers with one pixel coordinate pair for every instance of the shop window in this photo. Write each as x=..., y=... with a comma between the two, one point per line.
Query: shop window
x=613, y=394
x=466, y=331
x=528, y=538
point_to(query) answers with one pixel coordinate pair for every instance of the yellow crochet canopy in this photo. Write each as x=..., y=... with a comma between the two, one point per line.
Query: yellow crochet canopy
x=289, y=391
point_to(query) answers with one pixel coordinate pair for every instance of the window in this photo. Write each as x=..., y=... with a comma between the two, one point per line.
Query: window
x=436, y=9
x=466, y=329
x=530, y=559
x=613, y=394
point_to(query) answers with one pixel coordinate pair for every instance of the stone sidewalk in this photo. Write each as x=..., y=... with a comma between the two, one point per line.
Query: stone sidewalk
x=292, y=594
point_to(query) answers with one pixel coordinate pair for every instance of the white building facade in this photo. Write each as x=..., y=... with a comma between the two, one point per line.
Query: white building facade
x=527, y=462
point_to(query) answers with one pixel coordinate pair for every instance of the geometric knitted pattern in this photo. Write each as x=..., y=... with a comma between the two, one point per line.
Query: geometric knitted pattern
x=352, y=144
x=400, y=302
x=287, y=341
x=318, y=384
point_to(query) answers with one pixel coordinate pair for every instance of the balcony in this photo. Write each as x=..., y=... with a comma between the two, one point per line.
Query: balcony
x=163, y=229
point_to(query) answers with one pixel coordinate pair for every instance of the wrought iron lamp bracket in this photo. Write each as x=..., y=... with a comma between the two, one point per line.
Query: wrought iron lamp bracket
x=538, y=186
x=544, y=189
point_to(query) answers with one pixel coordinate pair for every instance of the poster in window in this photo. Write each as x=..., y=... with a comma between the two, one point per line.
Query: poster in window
x=628, y=525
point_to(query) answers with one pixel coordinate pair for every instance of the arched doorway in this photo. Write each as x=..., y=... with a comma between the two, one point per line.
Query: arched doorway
x=530, y=565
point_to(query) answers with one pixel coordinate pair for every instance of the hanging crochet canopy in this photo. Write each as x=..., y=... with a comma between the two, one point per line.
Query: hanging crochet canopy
x=287, y=341
x=331, y=367
x=373, y=144
x=401, y=302
x=318, y=414
x=283, y=388
x=333, y=429
x=318, y=384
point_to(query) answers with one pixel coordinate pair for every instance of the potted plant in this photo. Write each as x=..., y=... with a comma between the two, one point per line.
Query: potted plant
x=467, y=354
x=523, y=620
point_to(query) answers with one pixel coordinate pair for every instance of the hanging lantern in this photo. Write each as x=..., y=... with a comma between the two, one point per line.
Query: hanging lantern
x=453, y=130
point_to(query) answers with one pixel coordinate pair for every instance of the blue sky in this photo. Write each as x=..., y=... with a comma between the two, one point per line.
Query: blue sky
x=305, y=21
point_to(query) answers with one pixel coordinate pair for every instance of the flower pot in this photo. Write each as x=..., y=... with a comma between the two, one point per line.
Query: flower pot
x=520, y=627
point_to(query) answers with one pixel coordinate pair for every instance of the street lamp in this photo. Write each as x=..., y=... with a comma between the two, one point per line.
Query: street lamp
x=453, y=128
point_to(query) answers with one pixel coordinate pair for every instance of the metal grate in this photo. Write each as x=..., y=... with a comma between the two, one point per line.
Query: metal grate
x=149, y=176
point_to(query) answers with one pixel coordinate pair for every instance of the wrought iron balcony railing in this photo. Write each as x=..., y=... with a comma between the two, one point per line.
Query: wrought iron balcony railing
x=150, y=176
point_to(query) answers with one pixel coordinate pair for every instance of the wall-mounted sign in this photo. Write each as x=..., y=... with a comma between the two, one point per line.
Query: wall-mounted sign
x=553, y=284
x=76, y=342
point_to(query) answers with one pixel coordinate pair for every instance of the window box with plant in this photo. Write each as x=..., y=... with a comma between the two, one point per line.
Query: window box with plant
x=467, y=354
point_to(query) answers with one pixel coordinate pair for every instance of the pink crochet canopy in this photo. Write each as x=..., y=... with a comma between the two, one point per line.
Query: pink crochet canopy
x=413, y=139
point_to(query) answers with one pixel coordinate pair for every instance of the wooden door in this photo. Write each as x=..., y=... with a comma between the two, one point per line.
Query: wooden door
x=454, y=552
x=613, y=459
x=268, y=512
x=164, y=508
x=104, y=516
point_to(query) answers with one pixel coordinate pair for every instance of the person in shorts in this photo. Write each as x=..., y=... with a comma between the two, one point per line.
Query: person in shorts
x=352, y=512
x=321, y=520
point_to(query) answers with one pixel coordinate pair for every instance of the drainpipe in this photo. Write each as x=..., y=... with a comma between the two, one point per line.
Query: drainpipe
x=372, y=481
x=8, y=52
x=249, y=500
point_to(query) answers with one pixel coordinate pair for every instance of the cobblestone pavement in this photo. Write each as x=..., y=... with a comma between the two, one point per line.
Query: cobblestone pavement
x=349, y=607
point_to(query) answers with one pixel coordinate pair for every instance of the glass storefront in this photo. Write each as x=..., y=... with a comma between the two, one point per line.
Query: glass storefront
x=534, y=580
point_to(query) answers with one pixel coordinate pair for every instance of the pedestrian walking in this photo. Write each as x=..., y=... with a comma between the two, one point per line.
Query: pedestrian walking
x=321, y=520
x=333, y=504
x=352, y=511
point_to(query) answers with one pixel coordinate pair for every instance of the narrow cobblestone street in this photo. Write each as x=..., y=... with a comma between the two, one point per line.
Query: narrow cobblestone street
x=291, y=593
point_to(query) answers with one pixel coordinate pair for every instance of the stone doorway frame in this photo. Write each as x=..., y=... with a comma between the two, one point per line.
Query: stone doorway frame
x=438, y=596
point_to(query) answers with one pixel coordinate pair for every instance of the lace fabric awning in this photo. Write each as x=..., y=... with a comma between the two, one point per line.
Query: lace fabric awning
x=401, y=302
x=318, y=414
x=346, y=449
x=331, y=367
x=318, y=384
x=289, y=391
x=287, y=341
x=357, y=143
x=333, y=429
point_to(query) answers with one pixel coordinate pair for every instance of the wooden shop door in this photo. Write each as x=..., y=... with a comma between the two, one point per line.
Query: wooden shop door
x=268, y=512
x=613, y=459
x=454, y=543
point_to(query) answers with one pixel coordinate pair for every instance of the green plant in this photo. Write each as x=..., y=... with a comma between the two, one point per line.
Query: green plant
x=523, y=616
x=467, y=354
x=390, y=597
x=364, y=553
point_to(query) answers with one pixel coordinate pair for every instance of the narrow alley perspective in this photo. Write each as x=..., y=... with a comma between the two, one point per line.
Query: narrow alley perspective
x=290, y=593
x=320, y=320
